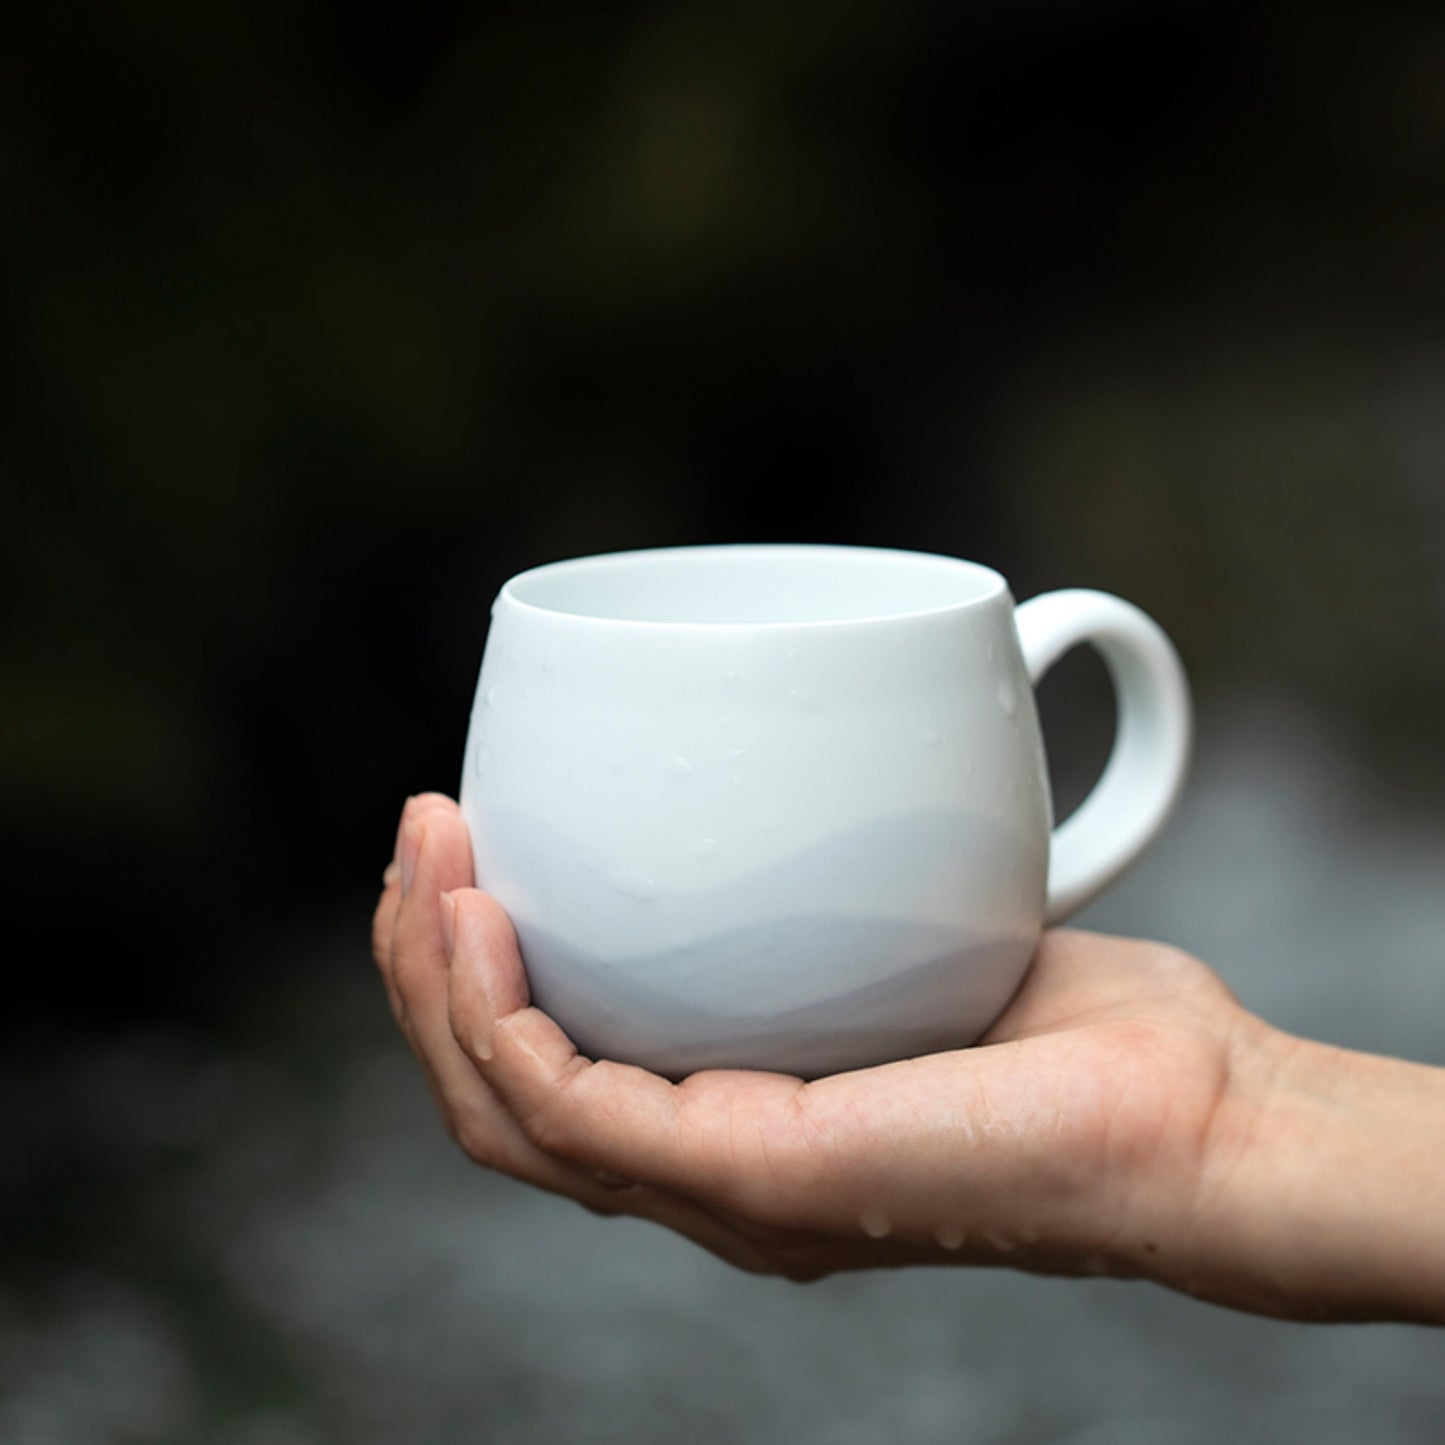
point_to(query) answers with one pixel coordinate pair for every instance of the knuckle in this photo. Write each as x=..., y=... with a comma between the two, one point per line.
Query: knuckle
x=381, y=922
x=770, y=1265
x=602, y=1211
x=553, y=1120
x=803, y=1274
x=556, y=1127
x=549, y=1127
x=475, y=1139
x=407, y=974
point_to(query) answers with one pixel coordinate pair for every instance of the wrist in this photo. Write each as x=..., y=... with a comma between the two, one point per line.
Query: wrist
x=1320, y=1188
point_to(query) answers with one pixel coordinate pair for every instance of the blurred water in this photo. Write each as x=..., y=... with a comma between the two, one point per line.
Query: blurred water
x=250, y=1247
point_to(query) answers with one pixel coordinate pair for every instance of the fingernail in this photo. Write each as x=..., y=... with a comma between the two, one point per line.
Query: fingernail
x=411, y=835
x=449, y=922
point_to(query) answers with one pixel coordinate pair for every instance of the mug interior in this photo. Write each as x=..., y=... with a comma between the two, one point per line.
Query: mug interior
x=755, y=585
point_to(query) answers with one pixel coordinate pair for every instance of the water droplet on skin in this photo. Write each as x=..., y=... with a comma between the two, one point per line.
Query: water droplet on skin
x=705, y=849
x=635, y=884
x=875, y=1225
x=950, y=1236
x=929, y=737
x=1000, y=1242
x=679, y=767
x=1008, y=699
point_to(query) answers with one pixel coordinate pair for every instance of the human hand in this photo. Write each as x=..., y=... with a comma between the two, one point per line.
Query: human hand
x=1124, y=1116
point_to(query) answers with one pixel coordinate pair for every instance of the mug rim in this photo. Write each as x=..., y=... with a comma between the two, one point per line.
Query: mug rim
x=988, y=584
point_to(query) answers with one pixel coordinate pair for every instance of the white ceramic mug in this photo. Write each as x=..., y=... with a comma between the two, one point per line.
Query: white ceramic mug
x=787, y=807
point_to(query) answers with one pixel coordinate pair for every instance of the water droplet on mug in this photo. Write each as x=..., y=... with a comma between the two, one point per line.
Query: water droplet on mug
x=1008, y=699
x=730, y=675
x=737, y=754
x=805, y=697
x=489, y=698
x=734, y=781
x=679, y=767
x=950, y=1236
x=635, y=883
x=875, y=1224
x=929, y=737
x=705, y=849
x=988, y=652
x=549, y=657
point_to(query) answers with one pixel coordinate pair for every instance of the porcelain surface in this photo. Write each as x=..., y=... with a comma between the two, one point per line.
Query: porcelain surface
x=787, y=807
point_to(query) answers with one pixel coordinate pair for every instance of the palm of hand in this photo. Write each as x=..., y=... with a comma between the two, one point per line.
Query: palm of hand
x=1093, y=1095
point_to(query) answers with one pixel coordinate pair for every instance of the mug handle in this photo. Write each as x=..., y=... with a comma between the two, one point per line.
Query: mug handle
x=1144, y=776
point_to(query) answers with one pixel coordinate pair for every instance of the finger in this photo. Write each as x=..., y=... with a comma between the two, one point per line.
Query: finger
x=383, y=921
x=408, y=939
x=383, y=918
x=383, y=926
x=481, y=1125
x=395, y=881
x=434, y=856
x=738, y=1142
x=492, y=1136
x=952, y=1143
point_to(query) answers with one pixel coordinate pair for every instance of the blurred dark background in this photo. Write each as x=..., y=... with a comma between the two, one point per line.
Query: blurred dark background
x=321, y=320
